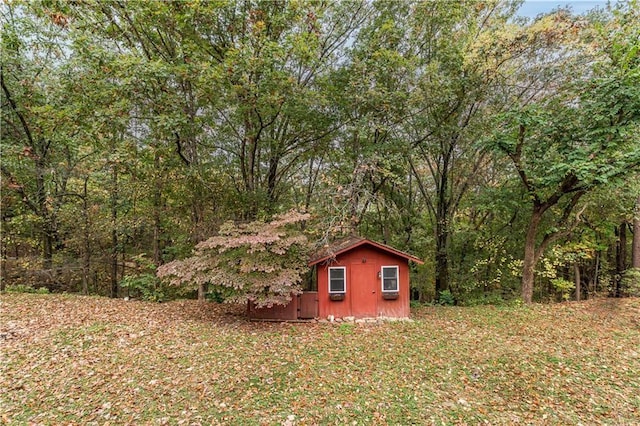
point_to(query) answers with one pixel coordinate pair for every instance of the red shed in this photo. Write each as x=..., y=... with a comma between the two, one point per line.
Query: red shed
x=356, y=277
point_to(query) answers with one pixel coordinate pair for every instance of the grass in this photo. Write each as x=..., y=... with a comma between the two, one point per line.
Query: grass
x=89, y=360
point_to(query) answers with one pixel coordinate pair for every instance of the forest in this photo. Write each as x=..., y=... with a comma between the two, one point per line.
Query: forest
x=503, y=151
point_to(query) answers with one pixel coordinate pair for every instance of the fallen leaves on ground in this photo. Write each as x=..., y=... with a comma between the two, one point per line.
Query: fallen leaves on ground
x=70, y=359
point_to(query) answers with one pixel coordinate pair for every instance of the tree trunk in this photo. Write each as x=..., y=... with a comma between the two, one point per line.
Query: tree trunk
x=157, y=204
x=86, y=263
x=41, y=202
x=621, y=257
x=47, y=252
x=3, y=267
x=596, y=273
x=272, y=180
x=156, y=236
x=198, y=233
x=202, y=292
x=442, y=256
x=576, y=268
x=114, y=233
x=442, y=227
x=635, y=247
x=529, y=262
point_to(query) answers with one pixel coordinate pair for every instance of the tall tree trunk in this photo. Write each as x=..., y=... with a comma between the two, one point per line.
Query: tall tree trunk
x=47, y=252
x=442, y=224
x=157, y=205
x=198, y=233
x=596, y=272
x=39, y=147
x=114, y=233
x=86, y=258
x=272, y=181
x=635, y=247
x=157, y=258
x=47, y=222
x=191, y=159
x=442, y=256
x=576, y=268
x=621, y=256
x=529, y=263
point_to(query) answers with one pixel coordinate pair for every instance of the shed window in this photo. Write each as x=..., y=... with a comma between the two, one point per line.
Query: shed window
x=390, y=279
x=337, y=280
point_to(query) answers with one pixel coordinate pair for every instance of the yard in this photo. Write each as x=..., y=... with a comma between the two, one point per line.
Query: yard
x=67, y=359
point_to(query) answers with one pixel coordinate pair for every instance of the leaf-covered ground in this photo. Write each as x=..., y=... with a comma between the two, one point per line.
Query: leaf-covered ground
x=88, y=360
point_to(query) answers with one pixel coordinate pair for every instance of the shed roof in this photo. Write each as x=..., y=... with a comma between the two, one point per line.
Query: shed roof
x=349, y=243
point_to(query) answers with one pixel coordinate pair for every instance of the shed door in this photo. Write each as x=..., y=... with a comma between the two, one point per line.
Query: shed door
x=364, y=290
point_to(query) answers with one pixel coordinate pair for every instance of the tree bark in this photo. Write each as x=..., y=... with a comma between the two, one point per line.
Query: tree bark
x=442, y=256
x=272, y=179
x=576, y=268
x=191, y=161
x=157, y=204
x=41, y=196
x=3, y=268
x=621, y=257
x=114, y=233
x=596, y=272
x=443, y=202
x=86, y=263
x=47, y=252
x=529, y=262
x=202, y=292
x=635, y=247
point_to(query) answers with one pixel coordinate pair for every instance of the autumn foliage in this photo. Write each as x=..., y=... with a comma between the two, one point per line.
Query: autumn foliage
x=262, y=262
x=72, y=360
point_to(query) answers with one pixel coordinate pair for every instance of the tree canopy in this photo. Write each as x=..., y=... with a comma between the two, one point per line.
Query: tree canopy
x=146, y=134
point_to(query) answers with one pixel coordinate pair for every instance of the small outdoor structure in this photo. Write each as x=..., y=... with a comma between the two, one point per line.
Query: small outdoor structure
x=355, y=277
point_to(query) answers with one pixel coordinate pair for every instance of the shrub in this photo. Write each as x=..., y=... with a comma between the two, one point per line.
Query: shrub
x=261, y=262
x=145, y=286
x=631, y=282
x=23, y=288
x=415, y=304
x=493, y=298
x=218, y=295
x=446, y=298
x=564, y=287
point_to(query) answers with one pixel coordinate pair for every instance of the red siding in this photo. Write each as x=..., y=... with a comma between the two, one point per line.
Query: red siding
x=363, y=296
x=288, y=312
x=303, y=306
x=308, y=305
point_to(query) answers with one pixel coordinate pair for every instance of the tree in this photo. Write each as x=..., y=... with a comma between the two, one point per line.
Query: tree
x=154, y=122
x=272, y=113
x=369, y=93
x=578, y=137
x=457, y=89
x=261, y=262
x=38, y=121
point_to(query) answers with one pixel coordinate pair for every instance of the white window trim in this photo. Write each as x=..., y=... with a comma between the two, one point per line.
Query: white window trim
x=397, y=279
x=344, y=269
